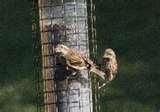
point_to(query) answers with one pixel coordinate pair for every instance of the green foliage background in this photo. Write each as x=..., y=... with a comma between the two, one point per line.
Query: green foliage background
x=131, y=28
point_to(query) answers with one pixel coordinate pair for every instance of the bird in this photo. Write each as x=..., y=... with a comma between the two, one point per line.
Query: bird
x=76, y=61
x=110, y=64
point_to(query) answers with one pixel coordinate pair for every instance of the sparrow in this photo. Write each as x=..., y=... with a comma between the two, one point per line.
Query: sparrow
x=110, y=64
x=76, y=61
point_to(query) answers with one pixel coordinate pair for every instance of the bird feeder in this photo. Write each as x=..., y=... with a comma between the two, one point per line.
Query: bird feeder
x=68, y=22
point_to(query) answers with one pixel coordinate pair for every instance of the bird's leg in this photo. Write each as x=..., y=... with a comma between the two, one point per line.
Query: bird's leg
x=74, y=71
x=103, y=85
x=67, y=68
x=68, y=63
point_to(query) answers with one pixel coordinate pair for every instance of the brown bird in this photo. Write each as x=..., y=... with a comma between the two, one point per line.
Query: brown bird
x=77, y=62
x=110, y=64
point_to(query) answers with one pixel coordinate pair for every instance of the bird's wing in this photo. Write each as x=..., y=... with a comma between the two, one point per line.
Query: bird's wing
x=75, y=61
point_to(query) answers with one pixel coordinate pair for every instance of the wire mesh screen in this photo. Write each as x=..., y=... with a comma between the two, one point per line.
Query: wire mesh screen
x=62, y=22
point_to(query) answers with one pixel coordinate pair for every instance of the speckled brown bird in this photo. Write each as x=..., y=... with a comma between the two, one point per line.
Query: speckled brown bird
x=76, y=61
x=110, y=64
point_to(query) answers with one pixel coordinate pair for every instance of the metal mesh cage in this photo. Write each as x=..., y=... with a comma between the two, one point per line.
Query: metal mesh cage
x=68, y=22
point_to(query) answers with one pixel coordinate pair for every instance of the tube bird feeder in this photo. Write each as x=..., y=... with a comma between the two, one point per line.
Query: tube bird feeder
x=65, y=22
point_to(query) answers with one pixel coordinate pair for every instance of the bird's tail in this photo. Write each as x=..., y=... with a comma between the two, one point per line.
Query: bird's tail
x=100, y=73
